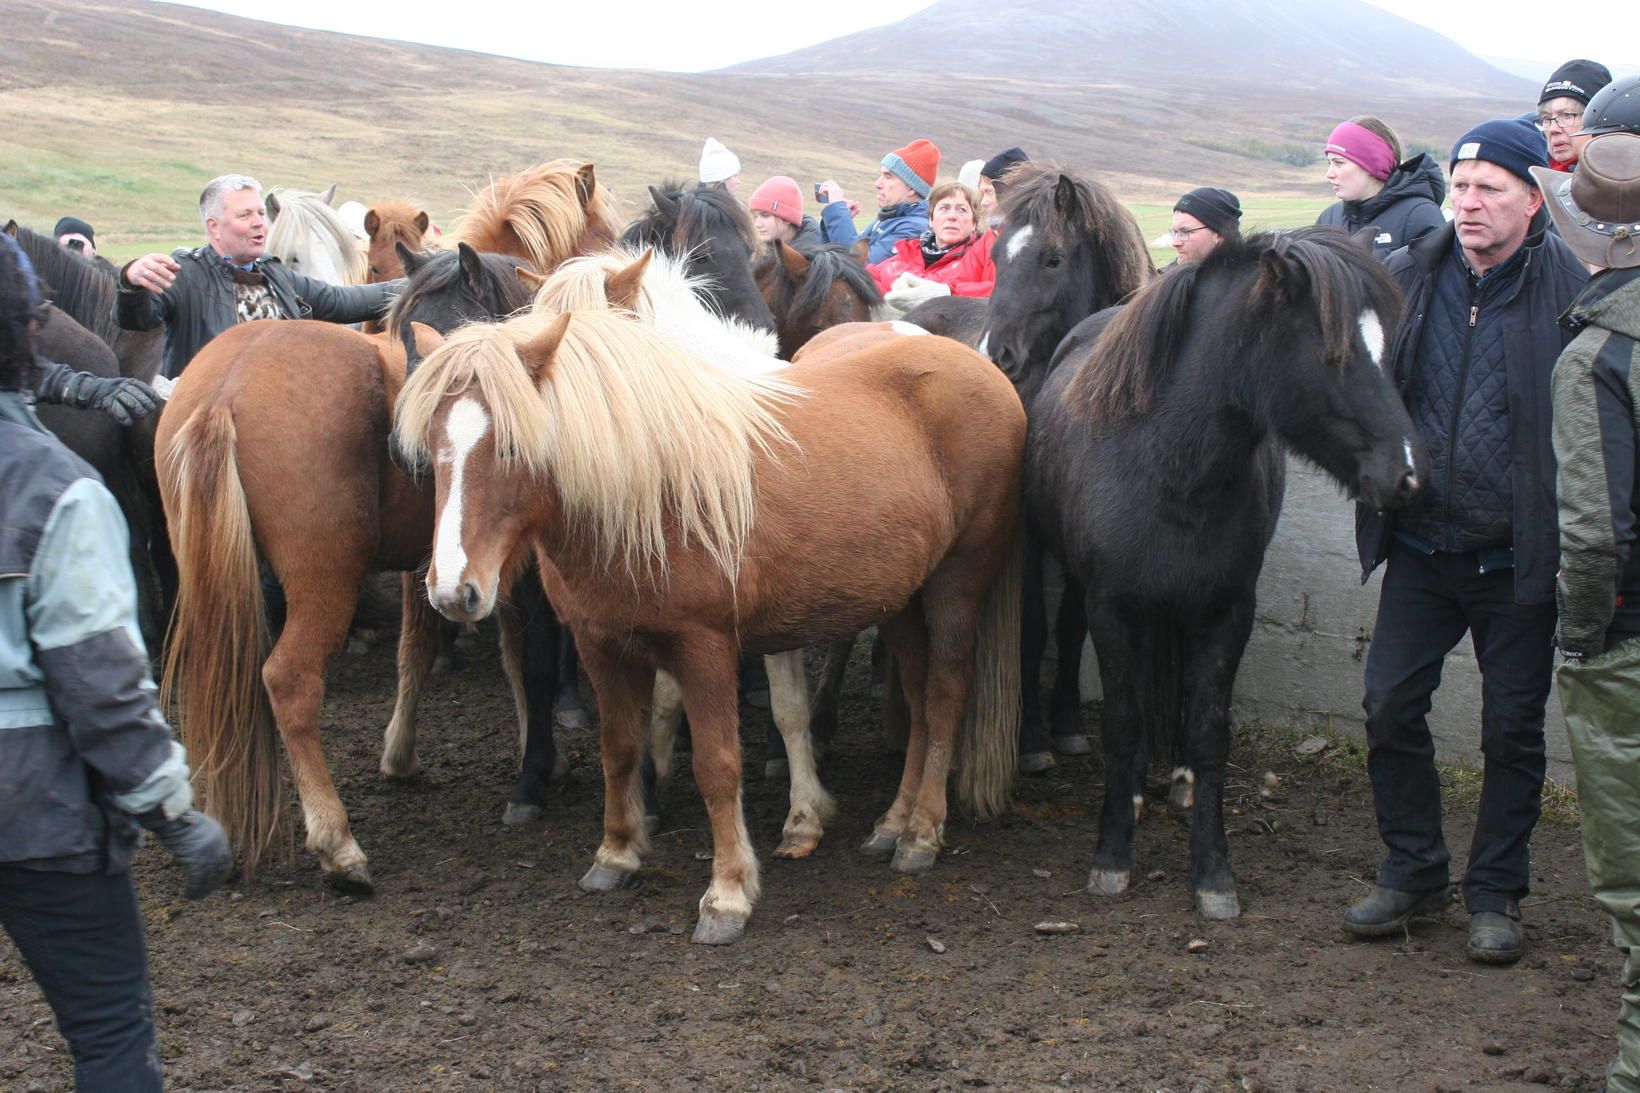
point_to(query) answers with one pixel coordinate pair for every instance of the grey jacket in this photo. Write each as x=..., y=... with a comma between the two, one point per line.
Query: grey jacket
x=200, y=304
x=83, y=748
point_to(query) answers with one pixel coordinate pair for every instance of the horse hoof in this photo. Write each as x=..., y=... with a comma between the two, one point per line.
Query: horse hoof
x=443, y=665
x=758, y=699
x=521, y=815
x=776, y=768
x=359, y=647
x=1217, y=906
x=880, y=843
x=1073, y=745
x=913, y=859
x=411, y=773
x=1182, y=795
x=571, y=718
x=601, y=878
x=797, y=847
x=352, y=881
x=1108, y=882
x=718, y=929
x=652, y=823
x=1036, y=762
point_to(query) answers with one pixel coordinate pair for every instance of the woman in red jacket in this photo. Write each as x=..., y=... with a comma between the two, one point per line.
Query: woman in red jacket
x=952, y=258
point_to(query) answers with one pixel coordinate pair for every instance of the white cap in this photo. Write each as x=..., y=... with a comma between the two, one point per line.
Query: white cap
x=969, y=175
x=717, y=163
x=353, y=214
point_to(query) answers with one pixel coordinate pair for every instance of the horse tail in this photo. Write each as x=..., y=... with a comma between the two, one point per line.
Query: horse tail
x=988, y=744
x=218, y=638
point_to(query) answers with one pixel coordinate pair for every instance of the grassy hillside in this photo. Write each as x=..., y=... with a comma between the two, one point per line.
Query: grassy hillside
x=119, y=112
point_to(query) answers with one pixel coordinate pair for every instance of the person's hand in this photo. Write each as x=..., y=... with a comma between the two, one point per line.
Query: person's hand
x=909, y=290
x=199, y=846
x=125, y=400
x=830, y=191
x=154, y=272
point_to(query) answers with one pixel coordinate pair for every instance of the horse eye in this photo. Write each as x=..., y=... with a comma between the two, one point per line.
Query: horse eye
x=1055, y=261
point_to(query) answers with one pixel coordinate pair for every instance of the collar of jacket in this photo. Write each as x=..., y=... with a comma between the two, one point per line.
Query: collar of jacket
x=15, y=408
x=908, y=208
x=1594, y=303
x=933, y=253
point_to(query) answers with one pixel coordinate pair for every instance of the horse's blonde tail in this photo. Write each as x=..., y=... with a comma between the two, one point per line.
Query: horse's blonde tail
x=218, y=637
x=988, y=743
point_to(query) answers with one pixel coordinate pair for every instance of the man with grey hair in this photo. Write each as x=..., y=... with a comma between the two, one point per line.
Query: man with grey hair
x=197, y=294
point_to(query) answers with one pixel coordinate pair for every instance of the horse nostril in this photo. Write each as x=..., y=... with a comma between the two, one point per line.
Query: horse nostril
x=1407, y=488
x=469, y=597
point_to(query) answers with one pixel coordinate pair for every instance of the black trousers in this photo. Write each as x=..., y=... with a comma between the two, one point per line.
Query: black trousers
x=1426, y=605
x=81, y=935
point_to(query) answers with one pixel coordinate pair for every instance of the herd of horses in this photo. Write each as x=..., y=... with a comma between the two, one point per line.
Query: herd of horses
x=659, y=447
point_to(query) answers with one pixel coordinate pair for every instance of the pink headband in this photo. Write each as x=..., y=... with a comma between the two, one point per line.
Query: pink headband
x=1364, y=148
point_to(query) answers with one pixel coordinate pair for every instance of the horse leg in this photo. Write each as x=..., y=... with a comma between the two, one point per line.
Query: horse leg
x=1035, y=750
x=1208, y=662
x=1065, y=704
x=708, y=671
x=569, y=711
x=446, y=659
x=418, y=643
x=906, y=634
x=622, y=686
x=665, y=718
x=823, y=721
x=811, y=805
x=319, y=607
x=530, y=651
x=1121, y=729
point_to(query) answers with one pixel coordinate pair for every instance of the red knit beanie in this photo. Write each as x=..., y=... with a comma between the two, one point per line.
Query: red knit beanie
x=779, y=196
x=917, y=165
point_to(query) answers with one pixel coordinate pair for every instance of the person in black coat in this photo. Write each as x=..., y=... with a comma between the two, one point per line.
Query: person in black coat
x=1477, y=553
x=1399, y=201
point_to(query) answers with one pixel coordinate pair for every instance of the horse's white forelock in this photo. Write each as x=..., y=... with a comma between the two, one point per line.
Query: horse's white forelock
x=310, y=235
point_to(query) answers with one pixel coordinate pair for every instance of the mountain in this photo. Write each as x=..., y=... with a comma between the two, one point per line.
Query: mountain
x=1158, y=46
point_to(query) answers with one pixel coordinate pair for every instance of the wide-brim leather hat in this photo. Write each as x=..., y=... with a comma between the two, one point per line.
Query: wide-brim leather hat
x=1597, y=207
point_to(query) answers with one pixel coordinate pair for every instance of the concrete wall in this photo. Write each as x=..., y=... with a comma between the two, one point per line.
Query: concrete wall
x=1303, y=665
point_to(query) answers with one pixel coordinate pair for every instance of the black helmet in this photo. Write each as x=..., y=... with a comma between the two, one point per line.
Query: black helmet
x=1615, y=108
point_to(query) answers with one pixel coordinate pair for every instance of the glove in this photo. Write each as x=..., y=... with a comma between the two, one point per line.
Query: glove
x=200, y=847
x=909, y=290
x=125, y=400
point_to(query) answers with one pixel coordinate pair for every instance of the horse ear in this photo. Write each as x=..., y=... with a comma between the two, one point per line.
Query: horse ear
x=11, y=228
x=624, y=286
x=372, y=223
x=409, y=259
x=329, y=196
x=862, y=251
x=272, y=203
x=1065, y=201
x=792, y=260
x=1282, y=277
x=538, y=351
x=530, y=279
x=422, y=221
x=472, y=269
x=586, y=184
x=666, y=204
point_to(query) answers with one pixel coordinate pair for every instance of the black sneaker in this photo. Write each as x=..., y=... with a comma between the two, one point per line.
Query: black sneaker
x=1388, y=910
x=1495, y=938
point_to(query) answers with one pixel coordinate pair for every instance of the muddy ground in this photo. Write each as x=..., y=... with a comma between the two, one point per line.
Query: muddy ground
x=480, y=965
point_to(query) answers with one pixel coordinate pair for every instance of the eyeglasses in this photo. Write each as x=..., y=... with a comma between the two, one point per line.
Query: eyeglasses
x=1183, y=234
x=1564, y=118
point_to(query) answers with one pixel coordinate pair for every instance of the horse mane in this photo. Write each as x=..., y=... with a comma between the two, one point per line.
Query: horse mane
x=828, y=264
x=543, y=209
x=503, y=292
x=308, y=216
x=702, y=211
x=669, y=302
x=80, y=288
x=1124, y=264
x=1137, y=351
x=638, y=432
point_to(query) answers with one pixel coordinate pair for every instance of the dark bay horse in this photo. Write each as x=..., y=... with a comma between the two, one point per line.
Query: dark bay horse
x=808, y=292
x=1155, y=474
x=1067, y=249
x=712, y=234
x=691, y=509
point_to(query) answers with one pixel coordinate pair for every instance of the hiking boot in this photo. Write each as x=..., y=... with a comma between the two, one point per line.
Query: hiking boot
x=1388, y=910
x=1495, y=938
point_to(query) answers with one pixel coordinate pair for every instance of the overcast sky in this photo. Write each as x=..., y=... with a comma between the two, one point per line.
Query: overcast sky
x=674, y=34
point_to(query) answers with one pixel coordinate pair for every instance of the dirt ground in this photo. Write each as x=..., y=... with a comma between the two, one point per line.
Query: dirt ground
x=480, y=965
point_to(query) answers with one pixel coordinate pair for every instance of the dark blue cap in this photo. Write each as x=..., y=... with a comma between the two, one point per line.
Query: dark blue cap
x=1512, y=144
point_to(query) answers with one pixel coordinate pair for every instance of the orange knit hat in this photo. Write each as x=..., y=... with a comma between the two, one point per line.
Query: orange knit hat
x=917, y=165
x=779, y=196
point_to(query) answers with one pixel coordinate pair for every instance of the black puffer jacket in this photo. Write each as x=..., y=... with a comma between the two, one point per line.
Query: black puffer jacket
x=1404, y=211
x=200, y=304
x=1549, y=279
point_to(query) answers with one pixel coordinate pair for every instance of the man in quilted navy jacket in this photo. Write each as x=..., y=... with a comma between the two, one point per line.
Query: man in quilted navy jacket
x=1472, y=357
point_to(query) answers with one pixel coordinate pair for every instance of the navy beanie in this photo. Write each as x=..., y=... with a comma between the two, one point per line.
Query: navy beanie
x=74, y=224
x=998, y=164
x=1577, y=79
x=1217, y=209
x=1512, y=144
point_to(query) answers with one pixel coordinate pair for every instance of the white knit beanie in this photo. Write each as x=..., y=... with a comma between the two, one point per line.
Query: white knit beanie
x=969, y=175
x=717, y=163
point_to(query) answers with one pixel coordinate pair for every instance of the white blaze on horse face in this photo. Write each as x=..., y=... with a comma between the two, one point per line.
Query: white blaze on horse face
x=463, y=428
x=910, y=330
x=984, y=343
x=1017, y=241
x=1372, y=335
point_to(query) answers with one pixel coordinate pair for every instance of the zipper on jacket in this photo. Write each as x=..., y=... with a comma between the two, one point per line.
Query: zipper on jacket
x=1457, y=404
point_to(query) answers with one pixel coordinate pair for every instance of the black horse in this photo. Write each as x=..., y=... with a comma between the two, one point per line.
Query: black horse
x=710, y=231
x=1068, y=248
x=1155, y=473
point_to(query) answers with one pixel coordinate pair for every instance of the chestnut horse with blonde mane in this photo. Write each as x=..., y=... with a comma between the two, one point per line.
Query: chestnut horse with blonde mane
x=273, y=451
x=684, y=509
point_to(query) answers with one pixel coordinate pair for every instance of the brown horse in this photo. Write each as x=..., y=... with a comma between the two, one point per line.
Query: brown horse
x=390, y=224
x=273, y=450
x=685, y=509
